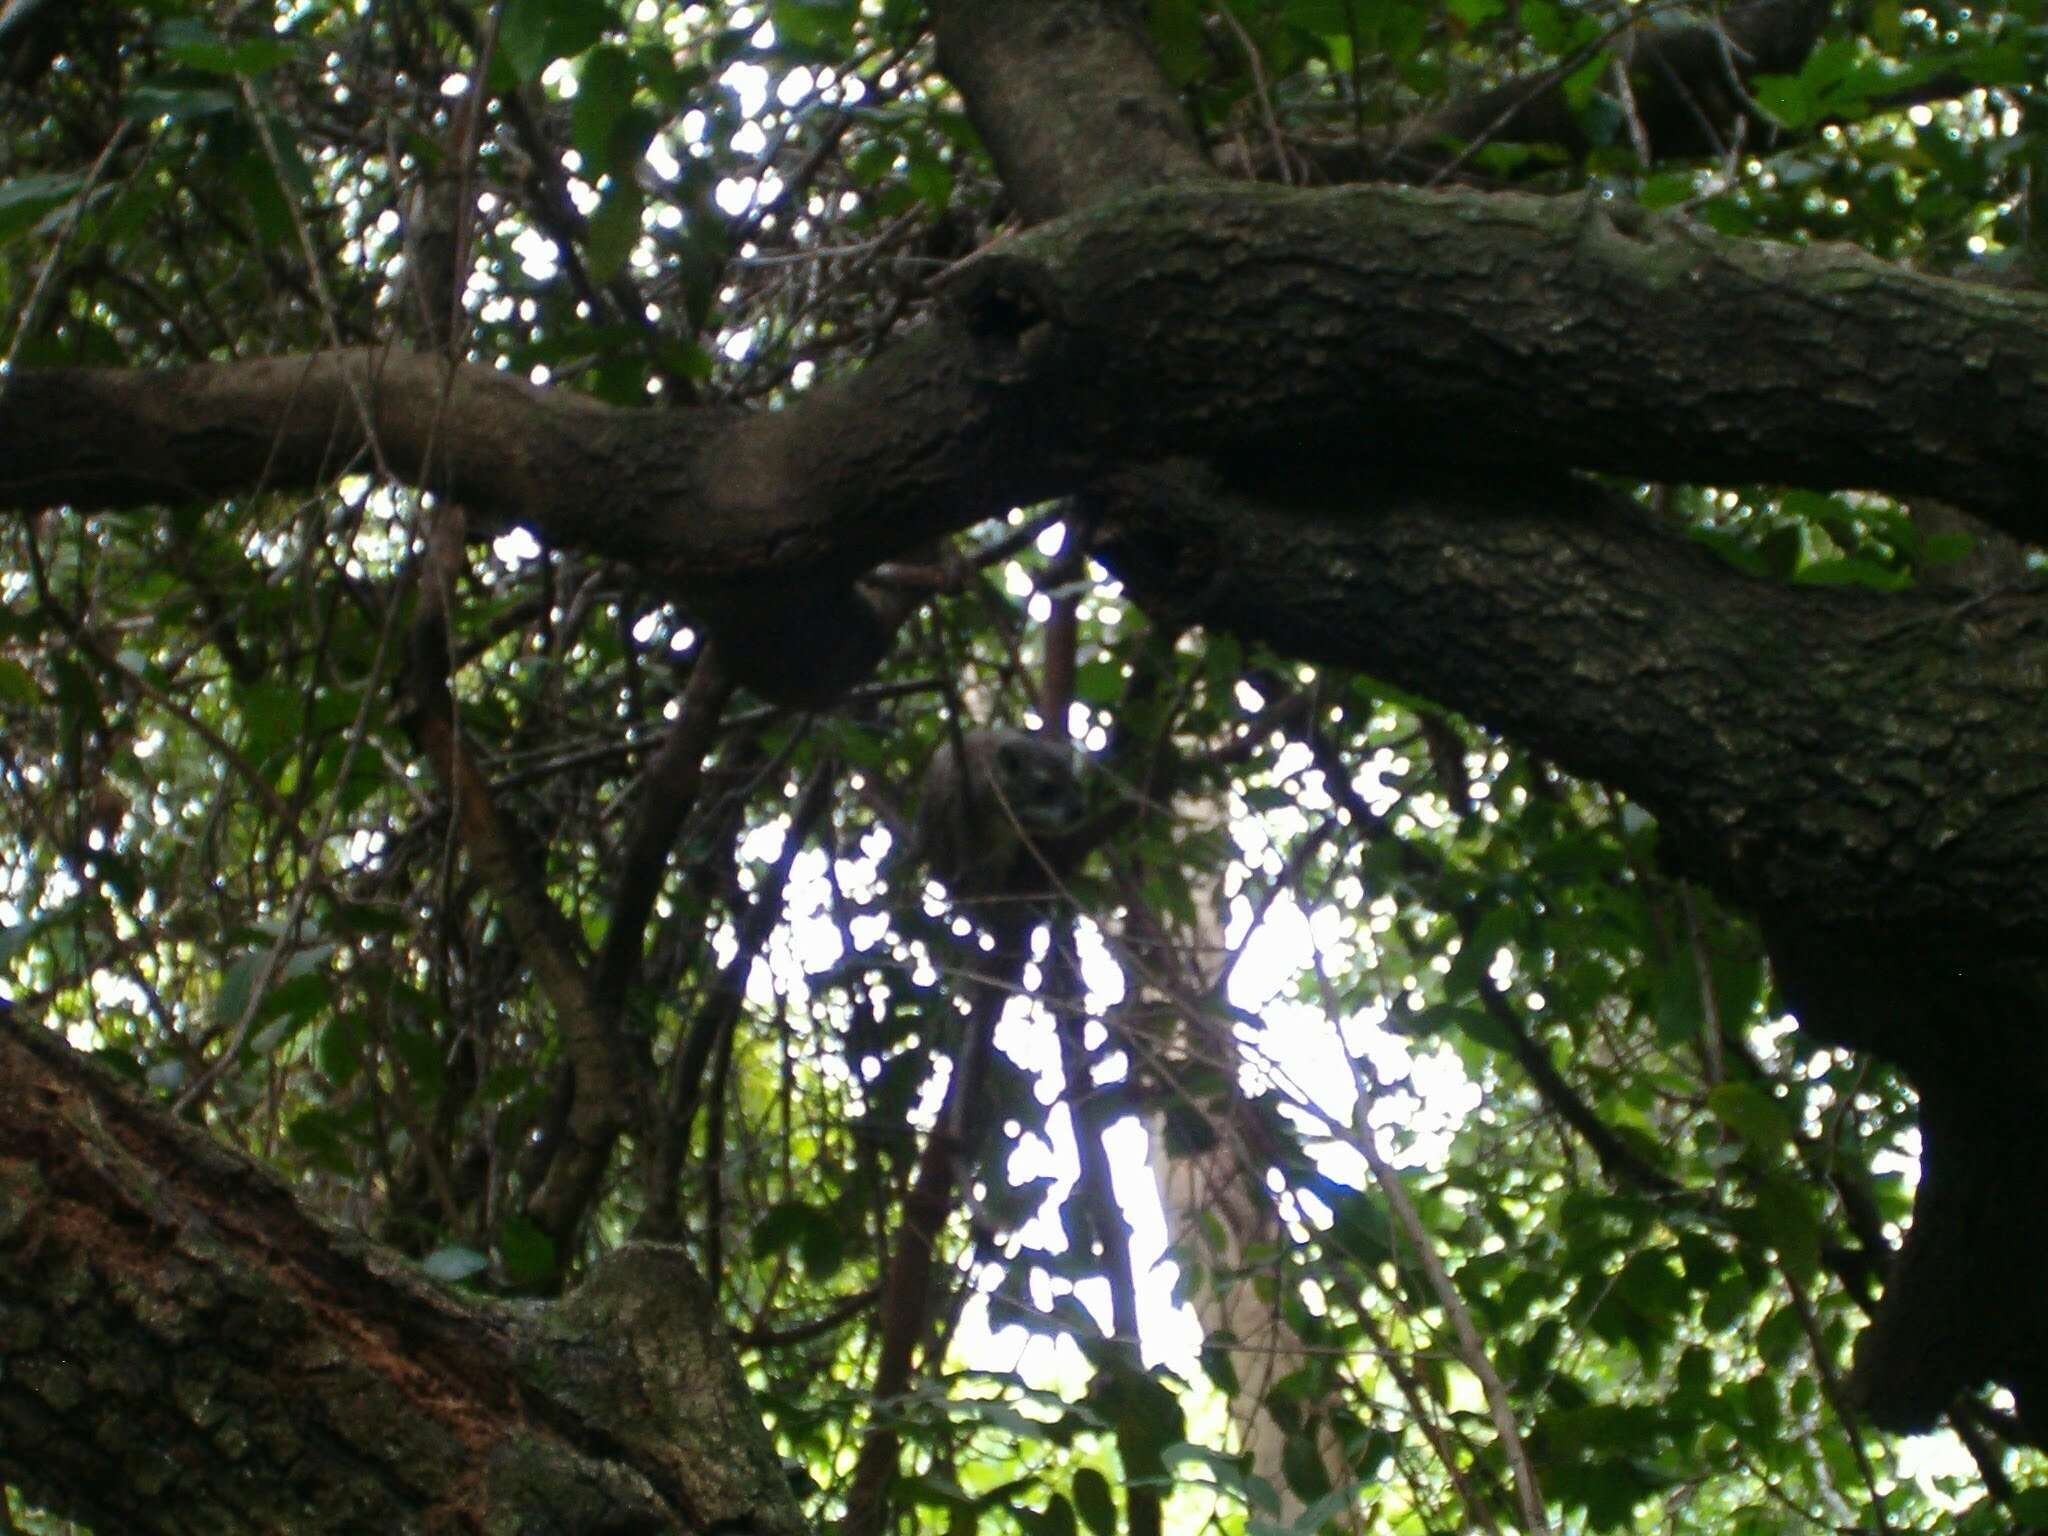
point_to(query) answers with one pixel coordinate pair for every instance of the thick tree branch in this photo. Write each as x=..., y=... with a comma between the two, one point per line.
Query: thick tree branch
x=1069, y=99
x=283, y=1377
x=289, y=423
x=1809, y=750
x=1839, y=693
x=1398, y=329
x=1254, y=326
x=1857, y=769
x=1962, y=1301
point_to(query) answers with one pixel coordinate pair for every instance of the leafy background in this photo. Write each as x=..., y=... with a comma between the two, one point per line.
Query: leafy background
x=229, y=871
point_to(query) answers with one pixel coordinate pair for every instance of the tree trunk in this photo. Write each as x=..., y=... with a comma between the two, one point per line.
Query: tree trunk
x=167, y=1310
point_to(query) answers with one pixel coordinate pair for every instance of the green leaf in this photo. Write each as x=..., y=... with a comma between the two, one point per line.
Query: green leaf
x=614, y=229
x=179, y=103
x=1679, y=1013
x=1301, y=1464
x=1147, y=1415
x=1099, y=682
x=604, y=91
x=1255, y=1493
x=420, y=1053
x=928, y=177
x=528, y=1252
x=193, y=43
x=1325, y=1509
x=2029, y=1506
x=815, y=1235
x=823, y=1249
x=289, y=1007
x=1475, y=13
x=236, y=984
x=1790, y=1224
x=27, y=199
x=1780, y=1337
x=1361, y=1229
x=1829, y=64
x=1760, y=1395
x=252, y=174
x=1785, y=98
x=1600, y=115
x=1752, y=1114
x=535, y=33
x=16, y=685
x=1093, y=1502
x=1728, y=1303
x=339, y=1052
x=1499, y=929
x=2007, y=62
x=1544, y=21
x=815, y=24
x=1056, y=1519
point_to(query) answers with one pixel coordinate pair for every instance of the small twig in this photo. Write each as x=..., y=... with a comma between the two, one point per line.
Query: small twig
x=1631, y=113
x=1471, y=1349
x=316, y=275
x=38, y=296
x=1265, y=95
x=1831, y=1384
x=1710, y=1012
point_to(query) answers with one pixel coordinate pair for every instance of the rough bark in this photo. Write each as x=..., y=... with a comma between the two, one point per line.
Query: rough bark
x=1379, y=328
x=1963, y=1301
x=1396, y=330
x=1841, y=693
x=183, y=1348
x=1383, y=332
x=1069, y=100
x=1411, y=380
x=1874, y=758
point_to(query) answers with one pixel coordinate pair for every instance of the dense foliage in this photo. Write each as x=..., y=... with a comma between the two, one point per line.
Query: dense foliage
x=1488, y=1155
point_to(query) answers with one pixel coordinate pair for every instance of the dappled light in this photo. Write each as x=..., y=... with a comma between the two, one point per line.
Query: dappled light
x=1009, y=766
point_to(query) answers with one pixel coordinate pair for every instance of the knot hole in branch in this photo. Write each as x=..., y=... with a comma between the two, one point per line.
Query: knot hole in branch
x=1008, y=309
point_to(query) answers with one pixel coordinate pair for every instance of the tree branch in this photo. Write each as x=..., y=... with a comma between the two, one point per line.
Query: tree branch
x=1385, y=329
x=1552, y=611
x=282, y=1376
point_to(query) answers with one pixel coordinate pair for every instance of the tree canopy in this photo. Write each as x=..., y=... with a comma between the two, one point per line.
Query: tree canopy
x=1524, y=512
